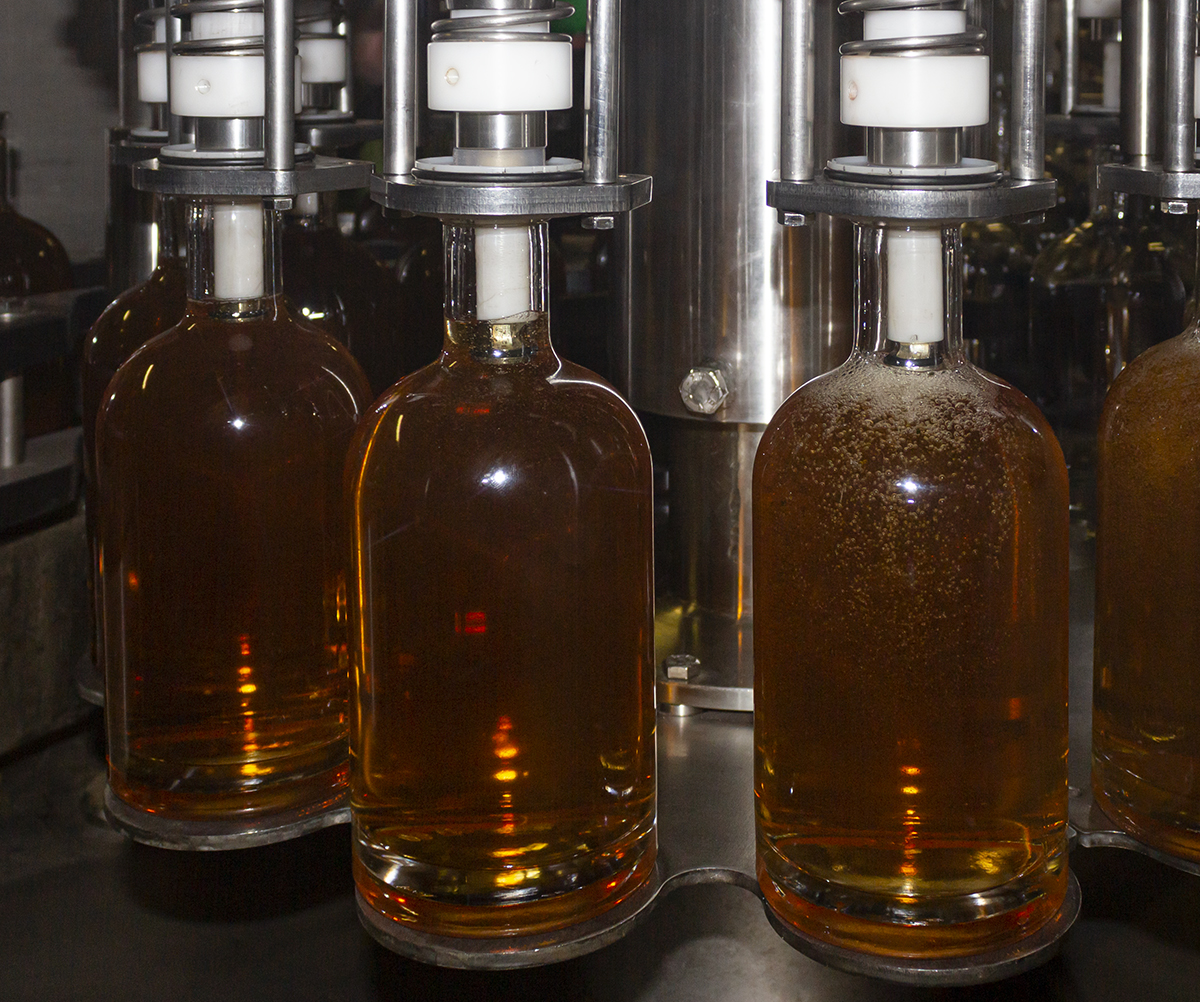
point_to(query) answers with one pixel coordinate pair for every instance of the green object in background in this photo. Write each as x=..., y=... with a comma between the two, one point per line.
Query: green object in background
x=576, y=24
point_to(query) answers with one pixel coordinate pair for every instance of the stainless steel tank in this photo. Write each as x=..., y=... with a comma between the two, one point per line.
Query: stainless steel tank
x=726, y=311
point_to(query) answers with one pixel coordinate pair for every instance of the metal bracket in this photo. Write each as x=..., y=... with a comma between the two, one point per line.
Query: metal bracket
x=320, y=174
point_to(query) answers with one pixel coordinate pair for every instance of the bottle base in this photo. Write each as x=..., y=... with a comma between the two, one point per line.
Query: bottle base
x=452, y=907
x=216, y=833
x=963, y=923
x=1170, y=840
x=988, y=965
x=518, y=948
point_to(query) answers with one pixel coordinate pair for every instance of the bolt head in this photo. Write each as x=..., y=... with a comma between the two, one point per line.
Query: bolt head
x=679, y=667
x=599, y=222
x=704, y=390
x=792, y=218
x=1175, y=208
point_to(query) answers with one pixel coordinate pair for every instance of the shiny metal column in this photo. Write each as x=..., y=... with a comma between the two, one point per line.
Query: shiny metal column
x=1028, y=89
x=1141, y=79
x=604, y=31
x=12, y=421
x=796, y=122
x=279, y=45
x=1070, y=56
x=721, y=298
x=1179, y=148
x=399, y=86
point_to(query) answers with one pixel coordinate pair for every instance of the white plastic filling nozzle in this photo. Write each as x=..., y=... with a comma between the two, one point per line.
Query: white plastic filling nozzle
x=1112, y=75
x=503, y=263
x=238, y=249
x=1098, y=8
x=323, y=60
x=915, y=286
x=308, y=204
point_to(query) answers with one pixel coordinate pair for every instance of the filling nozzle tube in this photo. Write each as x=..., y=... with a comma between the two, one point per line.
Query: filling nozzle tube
x=915, y=286
x=503, y=265
x=238, y=271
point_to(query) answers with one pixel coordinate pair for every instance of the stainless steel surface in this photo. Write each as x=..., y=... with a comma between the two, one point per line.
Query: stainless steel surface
x=279, y=49
x=680, y=667
x=46, y=481
x=477, y=198
x=1028, y=74
x=215, y=835
x=1094, y=829
x=707, y=562
x=1150, y=180
x=796, y=157
x=856, y=201
x=399, y=87
x=1069, y=91
x=319, y=174
x=1179, y=147
x=913, y=147
x=1141, y=79
x=704, y=390
x=712, y=277
x=12, y=421
x=500, y=130
x=600, y=164
x=327, y=136
x=230, y=134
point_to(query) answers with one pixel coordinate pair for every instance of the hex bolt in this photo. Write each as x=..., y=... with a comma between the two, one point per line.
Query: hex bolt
x=599, y=222
x=704, y=390
x=1174, y=208
x=679, y=667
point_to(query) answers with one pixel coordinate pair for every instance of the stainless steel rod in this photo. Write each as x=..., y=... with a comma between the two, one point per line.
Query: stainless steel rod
x=604, y=34
x=1070, y=56
x=279, y=42
x=796, y=157
x=399, y=86
x=1141, y=78
x=174, y=34
x=1179, y=152
x=12, y=422
x=1028, y=89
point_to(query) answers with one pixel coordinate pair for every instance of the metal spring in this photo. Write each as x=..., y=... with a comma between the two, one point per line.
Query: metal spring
x=491, y=26
x=967, y=43
x=305, y=10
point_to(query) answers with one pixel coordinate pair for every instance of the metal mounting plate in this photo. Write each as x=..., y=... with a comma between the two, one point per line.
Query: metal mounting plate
x=334, y=134
x=943, y=204
x=1152, y=180
x=1093, y=828
x=473, y=199
x=321, y=174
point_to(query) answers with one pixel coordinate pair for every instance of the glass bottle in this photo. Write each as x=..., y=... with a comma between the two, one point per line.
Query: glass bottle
x=1146, y=696
x=33, y=262
x=502, y=513
x=996, y=301
x=910, y=581
x=337, y=285
x=220, y=448
x=1068, y=339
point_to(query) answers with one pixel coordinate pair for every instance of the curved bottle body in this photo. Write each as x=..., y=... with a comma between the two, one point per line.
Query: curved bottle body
x=910, y=541
x=503, y=774
x=220, y=450
x=1145, y=746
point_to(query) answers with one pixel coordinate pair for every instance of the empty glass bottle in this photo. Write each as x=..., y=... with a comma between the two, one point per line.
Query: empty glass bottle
x=910, y=581
x=503, y=594
x=220, y=447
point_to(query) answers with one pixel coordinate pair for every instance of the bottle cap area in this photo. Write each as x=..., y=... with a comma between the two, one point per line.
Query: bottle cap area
x=830, y=640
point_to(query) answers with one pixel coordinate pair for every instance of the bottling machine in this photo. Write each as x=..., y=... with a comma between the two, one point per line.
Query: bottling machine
x=733, y=289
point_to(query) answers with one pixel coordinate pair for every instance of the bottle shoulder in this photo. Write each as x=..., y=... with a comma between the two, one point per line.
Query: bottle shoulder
x=264, y=367
x=136, y=315
x=32, y=260
x=1160, y=387
x=903, y=418
x=484, y=410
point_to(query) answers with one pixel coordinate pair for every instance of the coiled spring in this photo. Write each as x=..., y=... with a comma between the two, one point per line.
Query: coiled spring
x=305, y=10
x=967, y=43
x=491, y=26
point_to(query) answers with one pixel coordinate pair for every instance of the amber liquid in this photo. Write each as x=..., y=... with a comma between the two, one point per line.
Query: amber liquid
x=131, y=320
x=1145, y=738
x=220, y=450
x=503, y=755
x=910, y=535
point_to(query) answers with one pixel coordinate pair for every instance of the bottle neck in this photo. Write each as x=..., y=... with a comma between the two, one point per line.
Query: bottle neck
x=234, y=255
x=496, y=278
x=168, y=218
x=908, y=295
